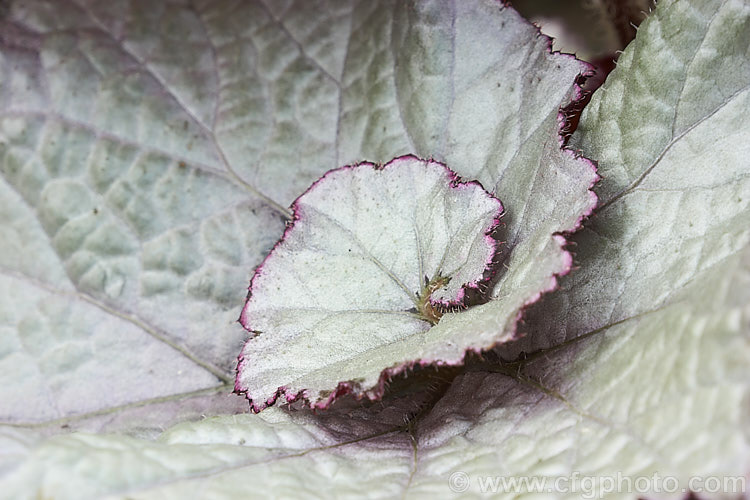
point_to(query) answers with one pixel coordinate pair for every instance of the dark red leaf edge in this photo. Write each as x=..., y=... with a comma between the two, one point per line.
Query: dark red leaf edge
x=485, y=275
x=565, y=127
x=568, y=116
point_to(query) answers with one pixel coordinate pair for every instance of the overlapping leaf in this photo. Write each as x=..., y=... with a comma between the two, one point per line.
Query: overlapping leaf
x=645, y=349
x=661, y=388
x=149, y=152
x=376, y=258
x=489, y=118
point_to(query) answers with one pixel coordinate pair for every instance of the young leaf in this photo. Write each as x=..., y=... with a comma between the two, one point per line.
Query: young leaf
x=375, y=257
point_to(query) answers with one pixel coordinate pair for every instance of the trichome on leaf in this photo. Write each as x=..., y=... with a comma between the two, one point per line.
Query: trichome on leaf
x=376, y=255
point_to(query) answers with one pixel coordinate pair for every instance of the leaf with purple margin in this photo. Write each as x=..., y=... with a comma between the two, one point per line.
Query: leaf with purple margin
x=377, y=258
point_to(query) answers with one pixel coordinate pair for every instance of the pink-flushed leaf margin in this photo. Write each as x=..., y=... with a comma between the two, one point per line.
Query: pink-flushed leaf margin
x=562, y=238
x=568, y=121
x=567, y=118
x=483, y=275
x=455, y=182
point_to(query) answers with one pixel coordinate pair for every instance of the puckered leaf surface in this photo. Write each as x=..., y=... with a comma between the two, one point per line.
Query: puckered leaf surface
x=641, y=359
x=149, y=151
x=629, y=400
x=662, y=387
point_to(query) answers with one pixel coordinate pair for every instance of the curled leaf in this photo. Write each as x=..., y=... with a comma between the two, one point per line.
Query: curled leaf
x=375, y=255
